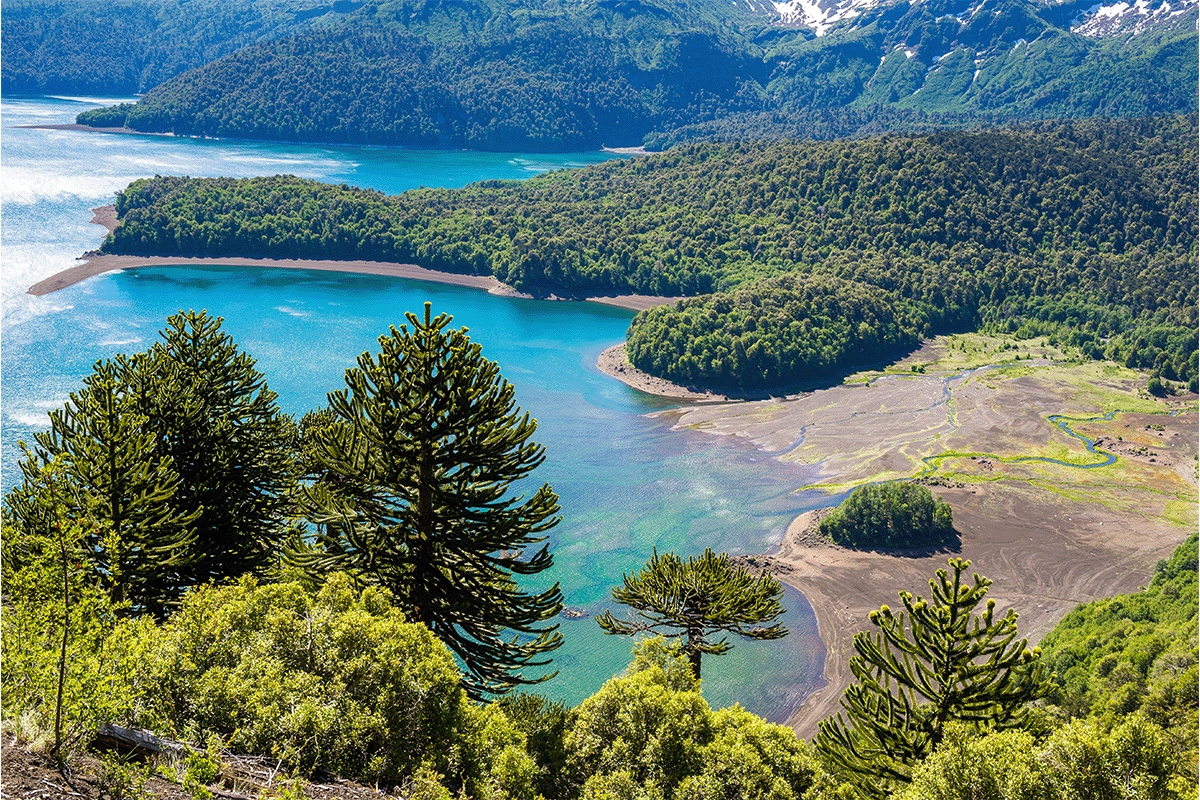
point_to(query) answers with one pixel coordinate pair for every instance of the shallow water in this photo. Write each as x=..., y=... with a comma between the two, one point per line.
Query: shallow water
x=627, y=484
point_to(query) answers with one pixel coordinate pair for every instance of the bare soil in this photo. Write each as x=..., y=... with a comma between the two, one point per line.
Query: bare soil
x=1049, y=536
x=26, y=774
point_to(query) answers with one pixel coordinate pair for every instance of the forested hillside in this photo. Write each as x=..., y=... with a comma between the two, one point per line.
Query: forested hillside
x=128, y=46
x=512, y=74
x=535, y=83
x=811, y=257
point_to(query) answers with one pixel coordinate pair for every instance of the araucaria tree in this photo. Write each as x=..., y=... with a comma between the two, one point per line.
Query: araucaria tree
x=412, y=493
x=217, y=420
x=183, y=455
x=697, y=599
x=107, y=462
x=936, y=662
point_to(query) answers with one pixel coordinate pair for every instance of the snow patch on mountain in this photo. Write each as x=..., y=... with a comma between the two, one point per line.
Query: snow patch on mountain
x=1124, y=17
x=821, y=15
x=1129, y=18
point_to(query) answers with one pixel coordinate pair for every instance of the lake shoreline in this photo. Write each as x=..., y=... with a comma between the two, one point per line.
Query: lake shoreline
x=96, y=263
x=1042, y=531
x=614, y=362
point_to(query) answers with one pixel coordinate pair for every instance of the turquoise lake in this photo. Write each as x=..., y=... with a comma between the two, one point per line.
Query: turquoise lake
x=627, y=483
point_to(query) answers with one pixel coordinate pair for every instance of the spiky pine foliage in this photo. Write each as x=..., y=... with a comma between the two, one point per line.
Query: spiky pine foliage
x=414, y=474
x=696, y=599
x=219, y=423
x=109, y=463
x=936, y=662
x=182, y=451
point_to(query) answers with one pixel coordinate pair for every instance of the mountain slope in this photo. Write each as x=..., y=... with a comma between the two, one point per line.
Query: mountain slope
x=128, y=46
x=498, y=75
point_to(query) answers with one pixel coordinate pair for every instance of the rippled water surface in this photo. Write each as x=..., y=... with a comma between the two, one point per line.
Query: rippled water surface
x=627, y=483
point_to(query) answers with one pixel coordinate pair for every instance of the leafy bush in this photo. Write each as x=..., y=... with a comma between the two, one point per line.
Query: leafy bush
x=70, y=663
x=1079, y=760
x=544, y=723
x=649, y=733
x=1134, y=653
x=902, y=515
x=336, y=681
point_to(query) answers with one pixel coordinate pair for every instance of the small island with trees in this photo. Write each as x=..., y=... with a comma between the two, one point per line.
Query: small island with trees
x=898, y=516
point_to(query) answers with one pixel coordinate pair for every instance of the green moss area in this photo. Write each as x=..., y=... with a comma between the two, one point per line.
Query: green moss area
x=951, y=354
x=967, y=417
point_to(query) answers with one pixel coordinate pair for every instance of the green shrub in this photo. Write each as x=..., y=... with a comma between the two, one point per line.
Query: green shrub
x=336, y=681
x=70, y=663
x=650, y=734
x=902, y=515
x=544, y=724
x=1077, y=761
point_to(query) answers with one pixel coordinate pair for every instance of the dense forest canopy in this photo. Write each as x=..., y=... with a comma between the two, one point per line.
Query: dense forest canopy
x=514, y=74
x=60, y=45
x=810, y=257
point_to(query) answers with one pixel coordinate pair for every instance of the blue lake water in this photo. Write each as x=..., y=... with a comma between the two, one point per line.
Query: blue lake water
x=627, y=483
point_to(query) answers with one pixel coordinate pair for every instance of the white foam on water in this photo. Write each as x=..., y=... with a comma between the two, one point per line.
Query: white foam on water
x=24, y=186
x=29, y=418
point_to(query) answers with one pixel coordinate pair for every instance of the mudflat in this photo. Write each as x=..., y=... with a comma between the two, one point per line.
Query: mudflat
x=982, y=430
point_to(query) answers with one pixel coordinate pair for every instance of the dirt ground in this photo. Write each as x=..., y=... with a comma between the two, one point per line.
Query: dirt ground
x=36, y=776
x=1049, y=535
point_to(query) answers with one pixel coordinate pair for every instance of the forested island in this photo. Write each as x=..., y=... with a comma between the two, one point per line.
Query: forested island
x=803, y=259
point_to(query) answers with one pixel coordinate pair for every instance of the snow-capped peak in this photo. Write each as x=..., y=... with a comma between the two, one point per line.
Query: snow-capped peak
x=821, y=15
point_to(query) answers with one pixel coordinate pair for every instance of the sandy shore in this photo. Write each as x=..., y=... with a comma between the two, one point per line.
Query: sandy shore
x=105, y=216
x=614, y=363
x=90, y=129
x=1045, y=557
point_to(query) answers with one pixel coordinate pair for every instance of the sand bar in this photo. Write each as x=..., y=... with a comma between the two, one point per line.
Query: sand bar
x=615, y=363
x=95, y=263
x=99, y=264
x=90, y=129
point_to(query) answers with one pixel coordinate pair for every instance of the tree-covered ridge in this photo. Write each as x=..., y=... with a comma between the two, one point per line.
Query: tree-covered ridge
x=505, y=74
x=128, y=46
x=479, y=74
x=1086, y=230
x=783, y=330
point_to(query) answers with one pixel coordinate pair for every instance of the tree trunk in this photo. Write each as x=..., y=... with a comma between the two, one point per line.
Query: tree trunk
x=62, y=654
x=693, y=650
